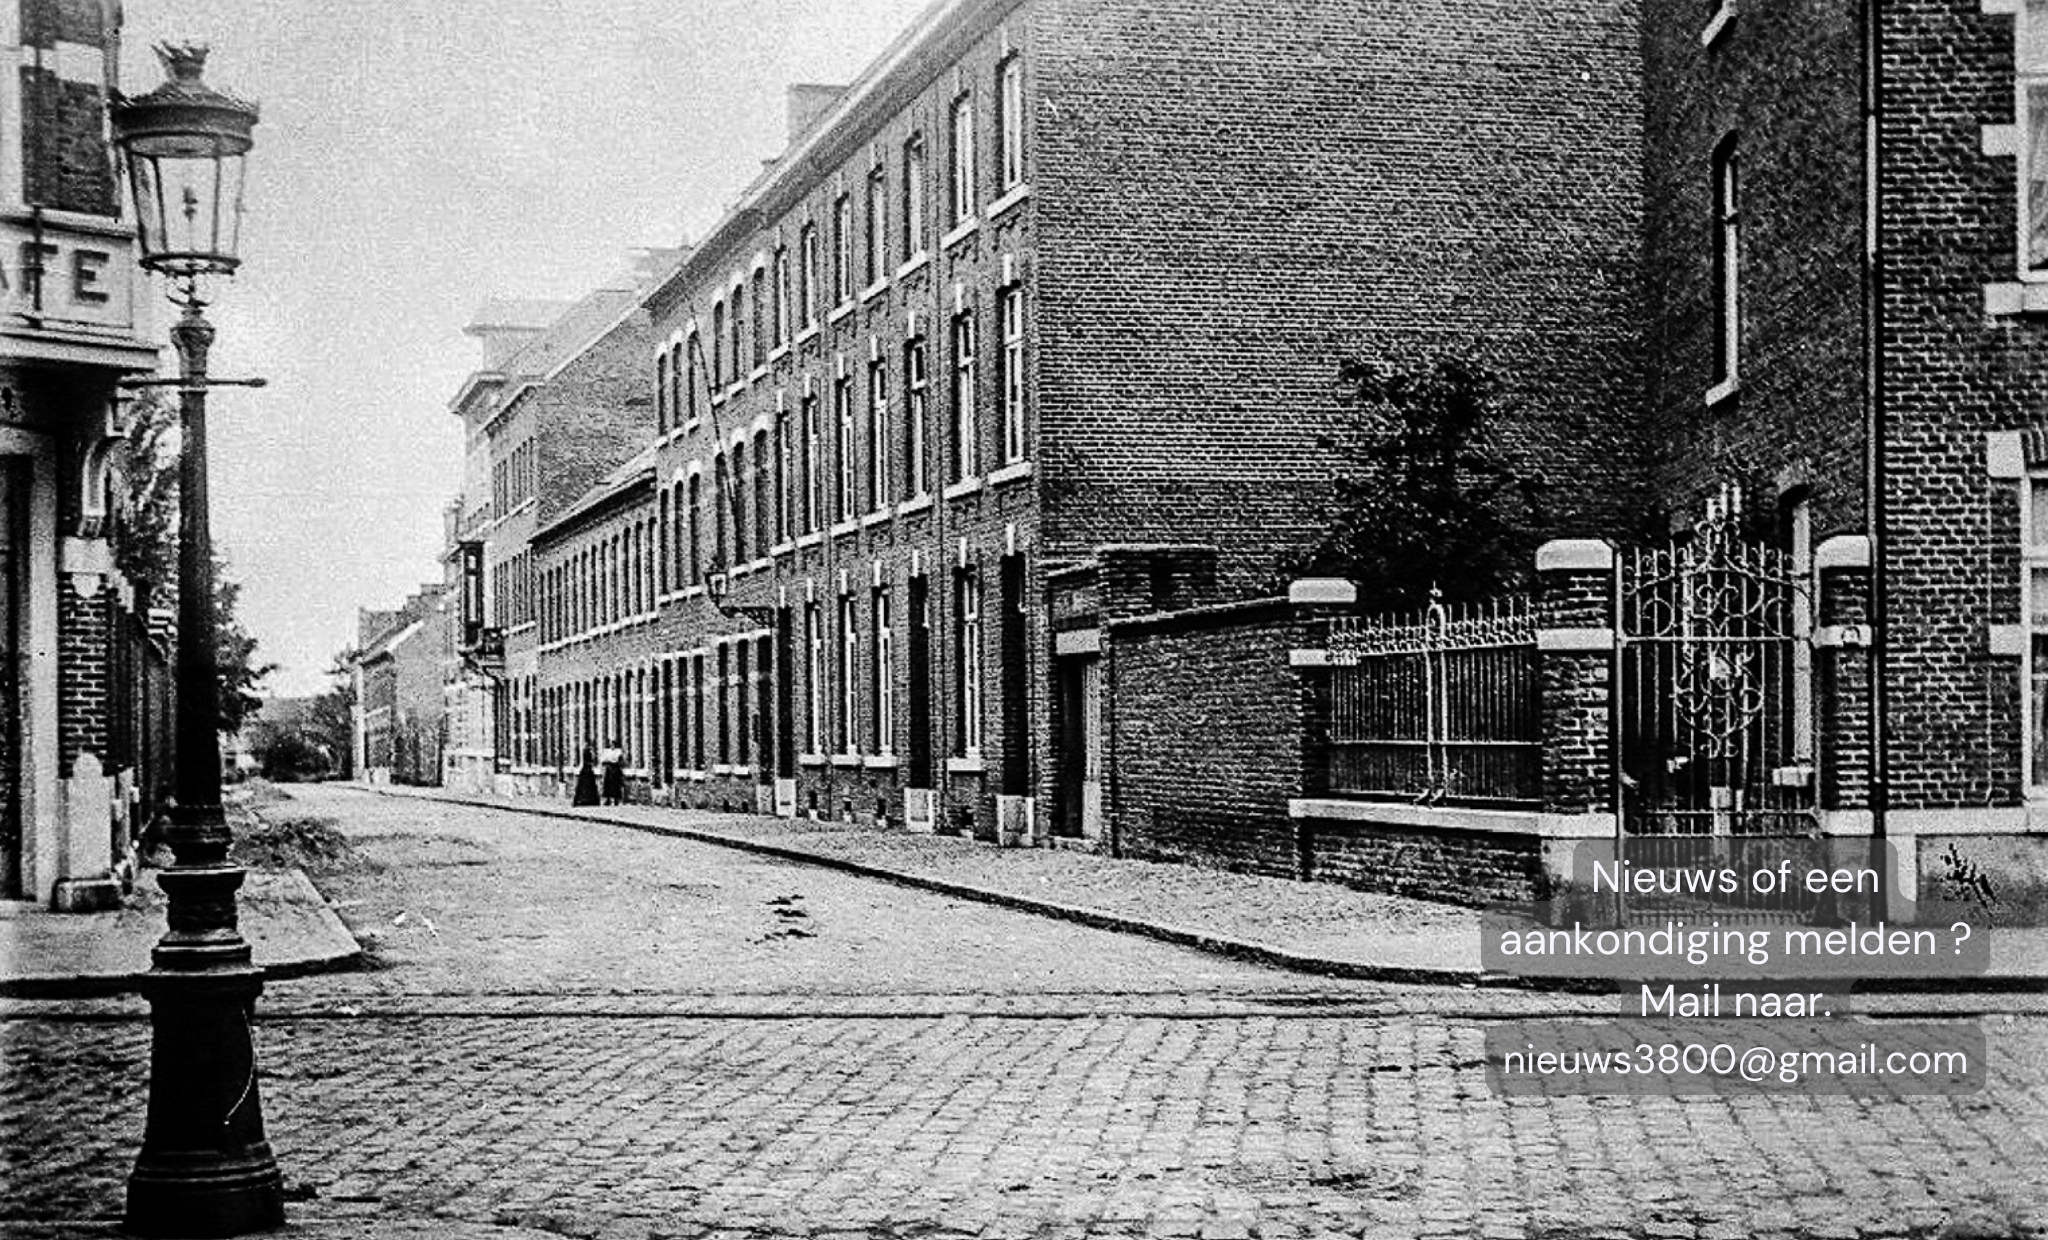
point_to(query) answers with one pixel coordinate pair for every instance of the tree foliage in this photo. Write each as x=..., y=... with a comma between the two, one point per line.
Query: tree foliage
x=146, y=551
x=1423, y=500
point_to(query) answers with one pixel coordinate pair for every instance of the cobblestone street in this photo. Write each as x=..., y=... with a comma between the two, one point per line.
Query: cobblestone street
x=591, y=1031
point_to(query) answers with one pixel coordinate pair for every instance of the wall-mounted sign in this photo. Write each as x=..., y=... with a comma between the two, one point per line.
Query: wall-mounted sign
x=66, y=277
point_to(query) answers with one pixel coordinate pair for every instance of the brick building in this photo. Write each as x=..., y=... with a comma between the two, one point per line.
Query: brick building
x=400, y=670
x=84, y=697
x=1055, y=277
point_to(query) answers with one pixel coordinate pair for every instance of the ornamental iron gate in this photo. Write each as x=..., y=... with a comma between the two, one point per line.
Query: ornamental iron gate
x=1715, y=704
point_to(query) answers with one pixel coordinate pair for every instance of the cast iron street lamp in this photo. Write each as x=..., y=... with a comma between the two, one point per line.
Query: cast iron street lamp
x=205, y=1167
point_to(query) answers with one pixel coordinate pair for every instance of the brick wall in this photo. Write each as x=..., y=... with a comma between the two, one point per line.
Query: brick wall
x=1232, y=197
x=1208, y=721
x=1455, y=867
x=1952, y=373
x=1784, y=79
x=84, y=629
x=67, y=162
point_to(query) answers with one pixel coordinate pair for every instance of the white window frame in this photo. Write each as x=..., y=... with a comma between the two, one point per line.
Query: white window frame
x=960, y=135
x=2027, y=79
x=1010, y=118
x=914, y=221
x=1011, y=388
x=966, y=418
x=916, y=412
x=2034, y=621
x=879, y=491
x=1726, y=174
x=971, y=687
x=814, y=659
x=842, y=399
x=883, y=672
x=849, y=675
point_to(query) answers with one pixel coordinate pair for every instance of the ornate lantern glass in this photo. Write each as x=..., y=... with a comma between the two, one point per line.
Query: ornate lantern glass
x=186, y=145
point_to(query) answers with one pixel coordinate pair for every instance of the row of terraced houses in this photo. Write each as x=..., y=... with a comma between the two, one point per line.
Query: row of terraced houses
x=951, y=481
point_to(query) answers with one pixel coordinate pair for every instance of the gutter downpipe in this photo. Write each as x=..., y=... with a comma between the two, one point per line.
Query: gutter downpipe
x=1874, y=423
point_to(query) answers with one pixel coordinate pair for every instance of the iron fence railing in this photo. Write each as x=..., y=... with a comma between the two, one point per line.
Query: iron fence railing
x=1439, y=706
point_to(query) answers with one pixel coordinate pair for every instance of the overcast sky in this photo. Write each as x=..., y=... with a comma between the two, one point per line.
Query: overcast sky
x=414, y=157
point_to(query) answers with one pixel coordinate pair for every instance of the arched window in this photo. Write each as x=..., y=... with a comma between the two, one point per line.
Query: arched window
x=717, y=347
x=762, y=317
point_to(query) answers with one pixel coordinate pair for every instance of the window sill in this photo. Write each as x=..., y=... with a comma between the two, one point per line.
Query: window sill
x=844, y=528
x=876, y=518
x=757, y=374
x=969, y=765
x=781, y=549
x=919, y=504
x=693, y=592
x=810, y=540
x=915, y=263
x=1010, y=473
x=881, y=762
x=777, y=353
x=807, y=334
x=874, y=290
x=961, y=232
x=1723, y=392
x=848, y=760
x=691, y=426
x=839, y=312
x=1722, y=19
x=2019, y=298
x=738, y=388
x=810, y=759
x=966, y=486
x=1008, y=202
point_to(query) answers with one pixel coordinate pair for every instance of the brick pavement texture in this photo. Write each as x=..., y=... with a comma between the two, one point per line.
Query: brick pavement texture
x=998, y=1127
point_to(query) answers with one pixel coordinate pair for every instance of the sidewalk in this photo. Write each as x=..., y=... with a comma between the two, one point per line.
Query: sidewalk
x=1317, y=928
x=290, y=929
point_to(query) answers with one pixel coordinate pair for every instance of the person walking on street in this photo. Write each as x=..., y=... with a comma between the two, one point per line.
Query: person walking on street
x=614, y=761
x=586, y=779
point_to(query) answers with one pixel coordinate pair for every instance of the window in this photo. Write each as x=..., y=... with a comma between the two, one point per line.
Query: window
x=962, y=178
x=1727, y=264
x=739, y=482
x=849, y=667
x=967, y=638
x=2032, y=66
x=718, y=347
x=696, y=542
x=966, y=452
x=814, y=658
x=842, y=407
x=764, y=507
x=878, y=434
x=785, y=489
x=842, y=249
x=916, y=470
x=814, y=466
x=1010, y=379
x=1010, y=123
x=2035, y=518
x=661, y=393
x=782, y=291
x=877, y=256
x=807, y=274
x=762, y=317
x=721, y=488
x=739, y=333
x=882, y=676
x=693, y=349
x=913, y=197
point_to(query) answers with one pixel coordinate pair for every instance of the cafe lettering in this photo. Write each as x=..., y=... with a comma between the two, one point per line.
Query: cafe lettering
x=81, y=279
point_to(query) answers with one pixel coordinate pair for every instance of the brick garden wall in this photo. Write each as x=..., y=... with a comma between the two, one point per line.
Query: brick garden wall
x=1208, y=721
x=1454, y=867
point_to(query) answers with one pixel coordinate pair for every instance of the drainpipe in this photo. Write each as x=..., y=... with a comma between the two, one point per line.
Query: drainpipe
x=1874, y=428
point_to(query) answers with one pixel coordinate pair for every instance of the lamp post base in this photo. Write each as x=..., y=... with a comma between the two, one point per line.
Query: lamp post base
x=205, y=1169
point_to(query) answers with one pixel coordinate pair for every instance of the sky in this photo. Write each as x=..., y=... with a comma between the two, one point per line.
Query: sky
x=413, y=158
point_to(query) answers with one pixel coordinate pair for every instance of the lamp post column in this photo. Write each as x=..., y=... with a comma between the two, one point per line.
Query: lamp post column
x=205, y=1168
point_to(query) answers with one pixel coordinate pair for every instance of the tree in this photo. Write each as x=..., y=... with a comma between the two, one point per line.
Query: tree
x=234, y=655
x=1422, y=500
x=146, y=551
x=332, y=720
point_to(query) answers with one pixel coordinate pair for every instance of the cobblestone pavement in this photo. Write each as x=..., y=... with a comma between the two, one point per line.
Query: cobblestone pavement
x=949, y=1079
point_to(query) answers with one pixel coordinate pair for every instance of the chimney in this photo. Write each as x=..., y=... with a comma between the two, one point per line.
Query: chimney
x=808, y=103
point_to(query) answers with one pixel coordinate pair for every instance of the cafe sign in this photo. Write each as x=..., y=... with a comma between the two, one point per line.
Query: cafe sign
x=66, y=278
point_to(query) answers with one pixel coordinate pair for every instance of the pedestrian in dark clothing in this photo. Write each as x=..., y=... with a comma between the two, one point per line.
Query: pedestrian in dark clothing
x=614, y=763
x=586, y=780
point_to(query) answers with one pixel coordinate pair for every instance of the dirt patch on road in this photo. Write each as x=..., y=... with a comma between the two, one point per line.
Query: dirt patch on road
x=279, y=841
